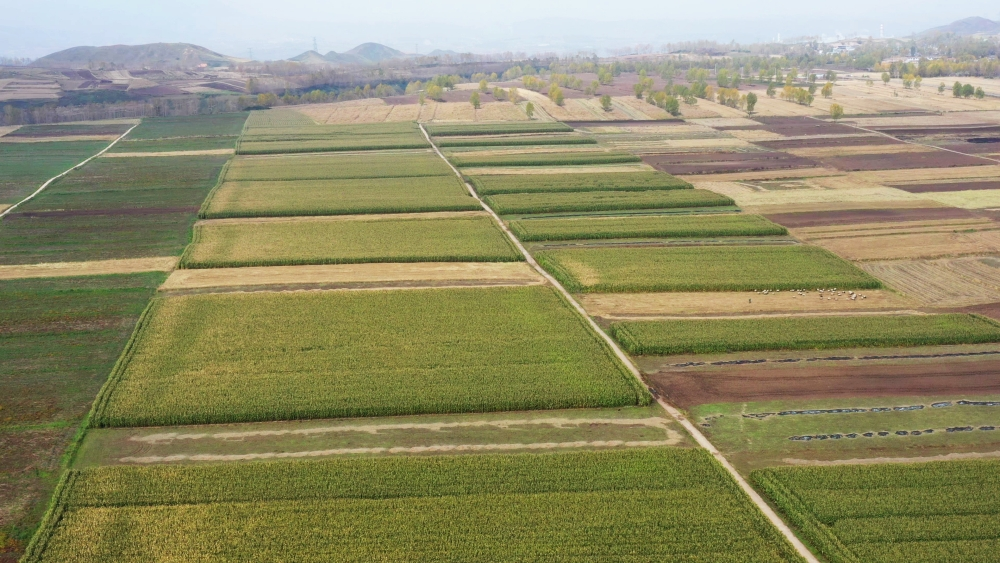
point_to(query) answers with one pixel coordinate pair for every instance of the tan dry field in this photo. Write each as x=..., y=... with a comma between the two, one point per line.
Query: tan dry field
x=374, y=110
x=950, y=119
x=755, y=135
x=331, y=218
x=970, y=199
x=8, y=129
x=841, y=206
x=699, y=110
x=746, y=196
x=358, y=275
x=954, y=282
x=638, y=109
x=859, y=99
x=581, y=169
x=167, y=153
x=920, y=175
x=823, y=152
x=774, y=107
x=4, y=206
x=94, y=268
x=726, y=122
x=916, y=245
x=639, y=305
x=575, y=109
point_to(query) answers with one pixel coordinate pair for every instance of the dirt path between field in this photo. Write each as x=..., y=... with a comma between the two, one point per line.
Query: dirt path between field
x=874, y=460
x=765, y=508
x=429, y=274
x=72, y=168
x=327, y=218
x=92, y=268
x=168, y=153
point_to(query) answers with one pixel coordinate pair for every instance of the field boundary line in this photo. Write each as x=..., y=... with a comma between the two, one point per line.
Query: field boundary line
x=72, y=168
x=700, y=438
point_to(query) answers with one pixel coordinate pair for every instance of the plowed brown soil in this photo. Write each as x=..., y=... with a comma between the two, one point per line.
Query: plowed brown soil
x=689, y=388
x=858, y=216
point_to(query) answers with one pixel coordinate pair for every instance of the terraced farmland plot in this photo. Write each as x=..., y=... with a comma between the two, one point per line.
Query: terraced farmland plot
x=338, y=197
x=515, y=141
x=447, y=130
x=939, y=511
x=344, y=167
x=348, y=241
x=705, y=268
x=801, y=333
x=608, y=181
x=582, y=228
x=507, y=204
x=112, y=208
x=242, y=357
x=567, y=506
x=542, y=158
x=24, y=167
x=59, y=339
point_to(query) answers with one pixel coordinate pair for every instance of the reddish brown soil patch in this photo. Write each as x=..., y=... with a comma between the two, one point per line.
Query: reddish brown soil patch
x=957, y=130
x=949, y=186
x=716, y=162
x=969, y=148
x=687, y=389
x=859, y=216
x=802, y=126
x=828, y=142
x=903, y=161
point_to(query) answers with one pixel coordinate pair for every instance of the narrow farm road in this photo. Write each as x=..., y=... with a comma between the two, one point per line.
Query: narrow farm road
x=676, y=414
x=67, y=171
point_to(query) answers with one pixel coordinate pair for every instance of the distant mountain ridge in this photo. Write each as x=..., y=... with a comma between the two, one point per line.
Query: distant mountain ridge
x=964, y=27
x=364, y=54
x=151, y=55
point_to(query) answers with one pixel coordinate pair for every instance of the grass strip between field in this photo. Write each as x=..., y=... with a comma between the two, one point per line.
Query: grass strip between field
x=339, y=197
x=702, y=268
x=703, y=336
x=936, y=511
x=542, y=159
x=336, y=241
x=599, y=181
x=244, y=357
x=651, y=505
x=584, y=228
x=507, y=204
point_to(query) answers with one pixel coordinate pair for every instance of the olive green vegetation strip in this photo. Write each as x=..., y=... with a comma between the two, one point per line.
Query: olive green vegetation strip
x=543, y=159
x=251, y=147
x=593, y=505
x=51, y=520
x=706, y=336
x=576, y=182
x=890, y=512
x=337, y=166
x=200, y=359
x=516, y=141
x=702, y=268
x=497, y=128
x=285, y=243
x=211, y=194
x=339, y=197
x=508, y=204
x=584, y=228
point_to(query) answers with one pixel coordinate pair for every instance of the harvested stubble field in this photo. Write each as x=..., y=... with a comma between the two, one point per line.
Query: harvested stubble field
x=848, y=198
x=959, y=186
x=338, y=197
x=893, y=241
x=507, y=204
x=606, y=181
x=242, y=357
x=698, y=336
x=514, y=141
x=891, y=512
x=59, y=339
x=903, y=161
x=915, y=217
x=526, y=507
x=337, y=166
x=706, y=268
x=351, y=240
x=543, y=159
x=970, y=199
x=731, y=225
x=950, y=282
x=24, y=167
x=643, y=306
x=449, y=130
x=112, y=209
x=725, y=162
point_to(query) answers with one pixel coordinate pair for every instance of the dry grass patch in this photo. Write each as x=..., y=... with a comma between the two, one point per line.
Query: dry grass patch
x=917, y=175
x=92, y=268
x=893, y=241
x=358, y=275
x=955, y=282
x=749, y=196
x=969, y=199
x=639, y=305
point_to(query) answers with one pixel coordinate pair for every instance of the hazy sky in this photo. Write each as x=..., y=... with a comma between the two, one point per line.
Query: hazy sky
x=279, y=29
